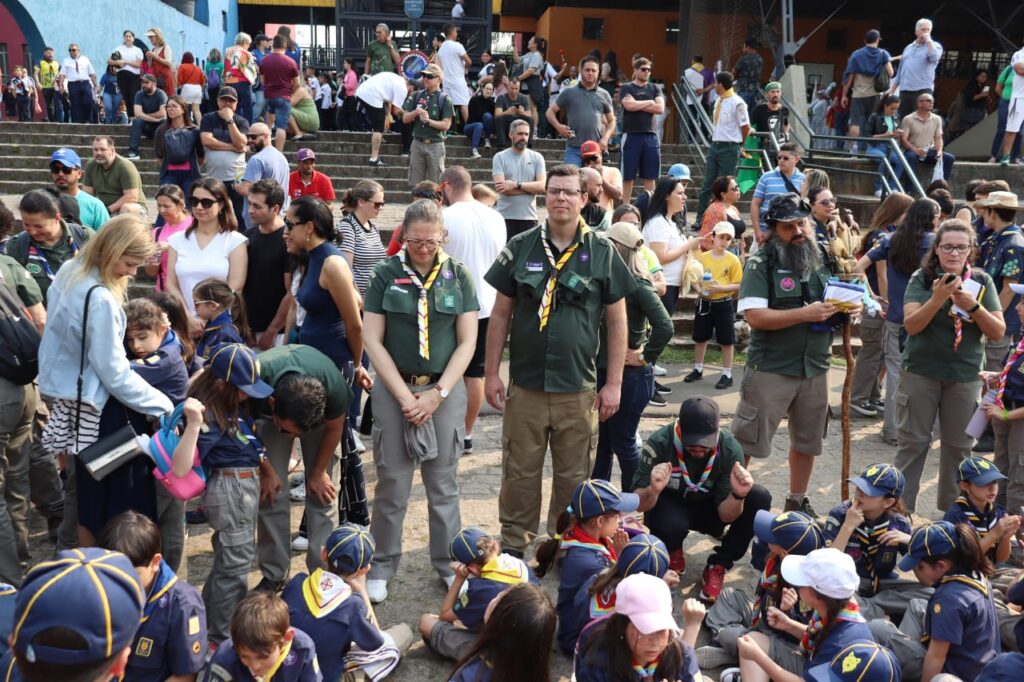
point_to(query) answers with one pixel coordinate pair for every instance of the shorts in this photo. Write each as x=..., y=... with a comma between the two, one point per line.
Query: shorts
x=715, y=316
x=1015, y=115
x=192, y=93
x=534, y=88
x=475, y=370
x=376, y=115
x=281, y=108
x=640, y=155
x=766, y=398
x=861, y=108
x=451, y=641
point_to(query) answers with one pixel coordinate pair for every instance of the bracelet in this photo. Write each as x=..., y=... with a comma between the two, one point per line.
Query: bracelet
x=975, y=308
x=1005, y=414
x=737, y=497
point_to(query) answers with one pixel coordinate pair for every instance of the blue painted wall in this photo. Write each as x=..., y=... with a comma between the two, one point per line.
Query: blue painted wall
x=96, y=25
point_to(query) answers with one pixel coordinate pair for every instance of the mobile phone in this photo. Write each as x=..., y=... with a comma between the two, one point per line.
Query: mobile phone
x=948, y=278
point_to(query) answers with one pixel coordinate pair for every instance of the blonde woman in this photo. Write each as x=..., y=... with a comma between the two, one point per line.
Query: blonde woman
x=240, y=71
x=85, y=337
x=161, y=62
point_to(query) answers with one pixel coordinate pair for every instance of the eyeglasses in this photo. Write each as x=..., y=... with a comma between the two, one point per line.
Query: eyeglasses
x=787, y=158
x=58, y=168
x=826, y=202
x=734, y=188
x=380, y=204
x=562, y=191
x=953, y=248
x=429, y=76
x=205, y=203
x=644, y=68
x=255, y=137
x=72, y=49
x=423, y=243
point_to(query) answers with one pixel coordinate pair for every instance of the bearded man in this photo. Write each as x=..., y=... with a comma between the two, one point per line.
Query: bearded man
x=790, y=342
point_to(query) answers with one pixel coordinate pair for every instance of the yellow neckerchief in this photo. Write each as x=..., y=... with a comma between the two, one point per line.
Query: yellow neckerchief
x=979, y=583
x=280, y=661
x=697, y=66
x=505, y=569
x=556, y=267
x=164, y=581
x=718, y=105
x=422, y=308
x=324, y=592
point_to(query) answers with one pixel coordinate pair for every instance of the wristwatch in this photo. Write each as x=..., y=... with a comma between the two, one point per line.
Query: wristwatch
x=442, y=390
x=519, y=185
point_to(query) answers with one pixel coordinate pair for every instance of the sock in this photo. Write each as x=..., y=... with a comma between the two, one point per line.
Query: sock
x=796, y=497
x=698, y=366
x=727, y=371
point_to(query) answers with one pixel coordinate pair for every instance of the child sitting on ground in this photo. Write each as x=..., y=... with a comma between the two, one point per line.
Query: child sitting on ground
x=976, y=506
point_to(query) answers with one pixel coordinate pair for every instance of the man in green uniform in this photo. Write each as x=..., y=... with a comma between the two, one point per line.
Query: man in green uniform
x=790, y=344
x=553, y=284
x=381, y=54
x=310, y=401
x=430, y=111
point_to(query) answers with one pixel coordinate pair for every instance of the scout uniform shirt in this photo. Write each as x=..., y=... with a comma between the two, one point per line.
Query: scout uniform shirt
x=981, y=520
x=561, y=358
x=585, y=557
x=172, y=637
x=496, y=576
x=1002, y=257
x=962, y=613
x=660, y=447
x=439, y=107
x=323, y=606
x=298, y=663
x=392, y=293
x=220, y=329
x=874, y=561
x=296, y=358
x=801, y=350
x=43, y=262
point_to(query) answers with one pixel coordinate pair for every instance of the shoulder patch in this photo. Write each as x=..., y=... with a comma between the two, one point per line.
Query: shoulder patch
x=505, y=257
x=144, y=648
x=937, y=608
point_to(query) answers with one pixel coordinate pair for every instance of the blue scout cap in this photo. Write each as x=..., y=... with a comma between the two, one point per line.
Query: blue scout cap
x=238, y=365
x=594, y=497
x=66, y=157
x=859, y=662
x=106, y=599
x=643, y=554
x=679, y=171
x=795, y=532
x=1003, y=668
x=881, y=480
x=935, y=539
x=463, y=547
x=979, y=471
x=350, y=548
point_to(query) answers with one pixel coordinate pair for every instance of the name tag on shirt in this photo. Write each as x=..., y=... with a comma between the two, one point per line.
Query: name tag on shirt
x=399, y=289
x=534, y=267
x=403, y=280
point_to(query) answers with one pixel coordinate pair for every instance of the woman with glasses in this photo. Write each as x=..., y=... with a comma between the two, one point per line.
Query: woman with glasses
x=211, y=246
x=665, y=238
x=726, y=192
x=424, y=295
x=425, y=189
x=823, y=211
x=357, y=236
x=945, y=350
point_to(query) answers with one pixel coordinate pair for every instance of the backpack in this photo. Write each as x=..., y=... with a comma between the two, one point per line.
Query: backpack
x=179, y=145
x=161, y=447
x=17, y=247
x=882, y=80
x=19, y=339
x=213, y=77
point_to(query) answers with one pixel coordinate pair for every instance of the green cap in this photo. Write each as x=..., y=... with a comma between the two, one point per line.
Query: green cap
x=774, y=85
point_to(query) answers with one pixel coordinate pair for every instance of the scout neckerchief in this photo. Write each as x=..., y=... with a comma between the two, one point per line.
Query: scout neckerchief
x=246, y=436
x=983, y=521
x=219, y=322
x=646, y=672
x=975, y=581
x=766, y=585
x=165, y=579
x=850, y=613
x=505, y=569
x=577, y=537
x=602, y=603
x=285, y=650
x=34, y=255
x=699, y=487
x=556, y=267
x=323, y=592
x=1007, y=368
x=958, y=324
x=422, y=309
x=718, y=105
x=866, y=537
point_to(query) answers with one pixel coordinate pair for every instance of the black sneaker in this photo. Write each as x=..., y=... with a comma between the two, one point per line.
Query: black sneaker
x=657, y=401
x=661, y=389
x=878, y=405
x=724, y=382
x=467, y=445
x=195, y=516
x=694, y=375
x=803, y=505
x=375, y=162
x=268, y=585
x=986, y=443
x=864, y=409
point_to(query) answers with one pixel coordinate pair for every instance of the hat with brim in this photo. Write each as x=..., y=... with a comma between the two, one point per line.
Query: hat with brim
x=934, y=540
x=433, y=70
x=880, y=480
x=238, y=365
x=862, y=661
x=787, y=208
x=227, y=92
x=647, y=601
x=774, y=85
x=828, y=571
x=1000, y=199
x=626, y=234
x=979, y=471
x=699, y=422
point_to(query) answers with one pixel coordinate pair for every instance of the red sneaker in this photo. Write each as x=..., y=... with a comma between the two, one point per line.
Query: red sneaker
x=677, y=561
x=712, y=580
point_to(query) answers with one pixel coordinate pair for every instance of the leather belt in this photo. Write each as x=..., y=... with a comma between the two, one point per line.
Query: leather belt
x=420, y=379
x=241, y=474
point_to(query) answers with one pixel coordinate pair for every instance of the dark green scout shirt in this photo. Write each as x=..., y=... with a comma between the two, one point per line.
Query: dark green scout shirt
x=562, y=357
x=797, y=351
x=439, y=107
x=644, y=312
x=392, y=293
x=659, y=448
x=43, y=262
x=277, y=362
x=17, y=278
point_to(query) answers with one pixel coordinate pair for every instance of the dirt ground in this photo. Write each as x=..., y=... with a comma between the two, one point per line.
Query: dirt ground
x=417, y=589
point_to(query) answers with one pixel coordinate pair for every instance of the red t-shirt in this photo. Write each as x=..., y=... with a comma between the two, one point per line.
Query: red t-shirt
x=320, y=187
x=278, y=72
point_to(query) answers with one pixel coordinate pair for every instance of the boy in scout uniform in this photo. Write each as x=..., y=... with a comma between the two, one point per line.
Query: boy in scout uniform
x=554, y=283
x=171, y=640
x=430, y=111
x=790, y=343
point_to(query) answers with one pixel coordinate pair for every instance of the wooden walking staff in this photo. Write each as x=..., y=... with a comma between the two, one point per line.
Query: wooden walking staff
x=847, y=389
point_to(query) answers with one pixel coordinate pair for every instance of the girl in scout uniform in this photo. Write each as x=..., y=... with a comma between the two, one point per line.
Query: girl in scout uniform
x=419, y=294
x=1006, y=413
x=223, y=310
x=977, y=507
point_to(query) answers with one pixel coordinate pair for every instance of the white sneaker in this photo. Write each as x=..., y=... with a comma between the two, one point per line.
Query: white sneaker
x=300, y=543
x=878, y=193
x=474, y=153
x=730, y=675
x=377, y=590
x=359, y=444
x=487, y=143
x=660, y=371
x=297, y=494
x=297, y=479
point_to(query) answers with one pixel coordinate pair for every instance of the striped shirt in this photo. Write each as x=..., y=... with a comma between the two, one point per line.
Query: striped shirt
x=771, y=185
x=365, y=246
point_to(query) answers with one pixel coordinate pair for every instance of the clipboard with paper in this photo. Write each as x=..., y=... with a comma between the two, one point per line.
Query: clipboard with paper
x=973, y=287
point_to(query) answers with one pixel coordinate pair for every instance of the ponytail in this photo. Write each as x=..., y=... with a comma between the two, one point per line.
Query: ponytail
x=218, y=291
x=548, y=550
x=969, y=557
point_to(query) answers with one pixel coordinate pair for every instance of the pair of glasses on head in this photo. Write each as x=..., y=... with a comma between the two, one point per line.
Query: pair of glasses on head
x=563, y=191
x=60, y=169
x=953, y=248
x=205, y=203
x=423, y=243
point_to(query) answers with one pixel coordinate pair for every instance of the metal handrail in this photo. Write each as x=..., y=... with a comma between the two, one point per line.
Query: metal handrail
x=705, y=120
x=803, y=124
x=907, y=170
x=690, y=125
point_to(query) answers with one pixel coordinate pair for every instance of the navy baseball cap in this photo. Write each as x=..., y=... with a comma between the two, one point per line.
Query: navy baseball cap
x=934, y=540
x=979, y=471
x=880, y=480
x=464, y=546
x=859, y=662
x=349, y=548
x=1003, y=668
x=238, y=365
x=105, y=597
x=66, y=157
x=595, y=497
x=795, y=532
x=698, y=422
x=643, y=554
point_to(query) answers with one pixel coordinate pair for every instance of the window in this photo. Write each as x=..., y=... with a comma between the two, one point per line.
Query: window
x=672, y=32
x=224, y=21
x=836, y=39
x=27, y=57
x=593, y=28
x=3, y=58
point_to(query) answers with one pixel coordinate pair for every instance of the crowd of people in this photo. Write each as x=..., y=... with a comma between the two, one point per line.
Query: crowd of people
x=271, y=322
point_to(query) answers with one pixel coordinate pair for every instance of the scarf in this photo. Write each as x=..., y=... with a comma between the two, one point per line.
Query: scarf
x=422, y=309
x=697, y=66
x=718, y=105
x=767, y=584
x=646, y=672
x=35, y=256
x=556, y=267
x=1007, y=368
x=324, y=592
x=603, y=603
x=850, y=613
x=983, y=521
x=285, y=650
x=865, y=536
x=577, y=537
x=958, y=324
x=165, y=579
x=505, y=569
x=975, y=581
x=699, y=487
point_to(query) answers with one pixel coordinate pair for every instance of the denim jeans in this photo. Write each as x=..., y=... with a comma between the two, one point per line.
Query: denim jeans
x=281, y=108
x=947, y=161
x=885, y=151
x=110, y=105
x=181, y=178
x=997, y=139
x=572, y=156
x=618, y=434
x=259, y=104
x=482, y=128
x=244, y=108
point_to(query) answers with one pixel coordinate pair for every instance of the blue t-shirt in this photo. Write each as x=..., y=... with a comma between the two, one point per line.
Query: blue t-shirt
x=897, y=281
x=591, y=664
x=266, y=163
x=863, y=545
x=772, y=184
x=962, y=613
x=876, y=239
x=220, y=450
x=579, y=564
x=1002, y=257
x=333, y=616
x=299, y=664
x=220, y=329
x=982, y=520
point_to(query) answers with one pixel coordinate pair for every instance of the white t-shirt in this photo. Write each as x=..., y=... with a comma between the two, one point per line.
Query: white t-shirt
x=476, y=234
x=659, y=229
x=549, y=79
x=129, y=54
x=696, y=81
x=383, y=87
x=458, y=11
x=194, y=264
x=1018, y=80
x=450, y=55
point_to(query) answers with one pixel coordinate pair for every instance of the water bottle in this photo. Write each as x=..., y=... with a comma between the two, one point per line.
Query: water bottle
x=705, y=292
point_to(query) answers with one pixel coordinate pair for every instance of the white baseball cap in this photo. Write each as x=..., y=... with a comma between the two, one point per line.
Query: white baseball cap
x=829, y=571
x=724, y=227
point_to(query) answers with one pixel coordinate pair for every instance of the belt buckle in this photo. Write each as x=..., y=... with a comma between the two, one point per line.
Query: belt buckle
x=420, y=379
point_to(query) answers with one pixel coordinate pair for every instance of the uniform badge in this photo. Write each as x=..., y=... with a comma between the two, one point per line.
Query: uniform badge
x=193, y=625
x=34, y=268
x=937, y=608
x=872, y=471
x=144, y=648
x=584, y=257
x=787, y=284
x=196, y=647
x=449, y=301
x=447, y=274
x=534, y=267
x=291, y=658
x=850, y=663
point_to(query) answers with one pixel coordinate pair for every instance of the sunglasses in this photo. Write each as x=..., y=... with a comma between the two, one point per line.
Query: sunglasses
x=429, y=76
x=58, y=168
x=644, y=68
x=205, y=203
x=254, y=137
x=378, y=204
